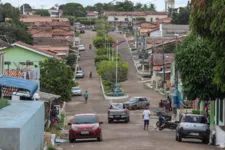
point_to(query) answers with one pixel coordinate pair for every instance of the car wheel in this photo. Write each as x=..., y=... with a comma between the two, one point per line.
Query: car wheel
x=179, y=138
x=205, y=140
x=127, y=120
x=72, y=140
x=100, y=138
x=158, y=124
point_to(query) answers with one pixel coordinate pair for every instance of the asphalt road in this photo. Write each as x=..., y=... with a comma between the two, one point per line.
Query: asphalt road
x=121, y=136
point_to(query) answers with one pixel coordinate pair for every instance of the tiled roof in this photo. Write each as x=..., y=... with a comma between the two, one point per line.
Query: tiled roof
x=159, y=41
x=52, y=48
x=42, y=19
x=164, y=20
x=133, y=13
x=158, y=58
x=35, y=49
x=92, y=13
x=148, y=30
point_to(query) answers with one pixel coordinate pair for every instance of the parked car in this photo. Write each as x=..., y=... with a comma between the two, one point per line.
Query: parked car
x=80, y=74
x=76, y=91
x=82, y=31
x=193, y=126
x=137, y=102
x=118, y=111
x=81, y=48
x=85, y=126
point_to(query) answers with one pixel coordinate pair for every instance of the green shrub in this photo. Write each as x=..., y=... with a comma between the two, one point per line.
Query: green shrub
x=107, y=86
x=99, y=41
x=107, y=70
x=3, y=103
x=103, y=51
x=101, y=58
x=195, y=111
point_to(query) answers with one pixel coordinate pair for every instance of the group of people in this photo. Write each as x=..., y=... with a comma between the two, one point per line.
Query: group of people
x=167, y=104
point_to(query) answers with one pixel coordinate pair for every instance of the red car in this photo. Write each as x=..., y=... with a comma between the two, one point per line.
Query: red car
x=85, y=126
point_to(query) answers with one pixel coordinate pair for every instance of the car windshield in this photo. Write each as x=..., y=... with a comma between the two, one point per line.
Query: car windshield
x=117, y=106
x=86, y=119
x=132, y=100
x=81, y=45
x=76, y=88
x=194, y=119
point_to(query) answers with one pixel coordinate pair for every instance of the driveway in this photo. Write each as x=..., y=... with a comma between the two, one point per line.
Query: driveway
x=121, y=136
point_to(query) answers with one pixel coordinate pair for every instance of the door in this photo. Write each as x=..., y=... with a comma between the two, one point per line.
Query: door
x=141, y=102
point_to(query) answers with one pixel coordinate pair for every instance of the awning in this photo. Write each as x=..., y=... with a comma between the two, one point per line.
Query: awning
x=19, y=83
x=47, y=97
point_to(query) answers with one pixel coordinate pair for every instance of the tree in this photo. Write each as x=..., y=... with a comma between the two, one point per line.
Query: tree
x=207, y=21
x=138, y=6
x=126, y=5
x=195, y=64
x=107, y=70
x=26, y=7
x=99, y=41
x=15, y=31
x=73, y=9
x=71, y=60
x=152, y=7
x=42, y=12
x=56, y=78
x=8, y=11
x=181, y=17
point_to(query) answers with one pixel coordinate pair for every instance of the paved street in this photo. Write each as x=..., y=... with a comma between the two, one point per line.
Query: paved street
x=121, y=136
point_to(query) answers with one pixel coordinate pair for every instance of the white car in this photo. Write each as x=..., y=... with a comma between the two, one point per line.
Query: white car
x=80, y=74
x=81, y=48
x=76, y=91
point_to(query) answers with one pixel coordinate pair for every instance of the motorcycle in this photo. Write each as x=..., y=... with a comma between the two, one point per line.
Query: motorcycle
x=169, y=125
x=162, y=119
x=90, y=47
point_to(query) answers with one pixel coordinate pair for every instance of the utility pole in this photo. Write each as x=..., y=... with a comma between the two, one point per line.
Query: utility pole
x=176, y=71
x=117, y=47
x=164, y=74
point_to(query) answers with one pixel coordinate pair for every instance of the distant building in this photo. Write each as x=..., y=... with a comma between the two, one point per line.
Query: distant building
x=55, y=13
x=120, y=16
x=92, y=14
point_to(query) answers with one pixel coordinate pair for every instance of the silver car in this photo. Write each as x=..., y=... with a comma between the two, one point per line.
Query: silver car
x=193, y=126
x=76, y=91
x=137, y=102
x=118, y=111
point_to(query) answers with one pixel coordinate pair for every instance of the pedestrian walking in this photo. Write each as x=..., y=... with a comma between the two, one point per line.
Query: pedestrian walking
x=86, y=96
x=90, y=75
x=146, y=117
x=170, y=103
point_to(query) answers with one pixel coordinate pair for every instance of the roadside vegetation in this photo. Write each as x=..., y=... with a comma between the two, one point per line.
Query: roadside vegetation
x=105, y=59
x=3, y=103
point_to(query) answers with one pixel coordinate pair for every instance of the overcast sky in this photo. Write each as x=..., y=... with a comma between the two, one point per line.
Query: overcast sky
x=160, y=5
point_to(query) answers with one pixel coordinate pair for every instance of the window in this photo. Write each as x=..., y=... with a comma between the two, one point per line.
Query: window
x=115, y=19
x=88, y=119
x=126, y=19
x=221, y=110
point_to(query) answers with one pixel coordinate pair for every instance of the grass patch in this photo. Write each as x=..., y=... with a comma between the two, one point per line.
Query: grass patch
x=3, y=103
x=54, y=130
x=61, y=122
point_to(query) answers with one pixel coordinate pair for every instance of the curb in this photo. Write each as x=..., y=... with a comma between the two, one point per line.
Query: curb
x=110, y=97
x=133, y=58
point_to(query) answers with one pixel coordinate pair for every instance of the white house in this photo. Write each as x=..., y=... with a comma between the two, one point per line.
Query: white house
x=55, y=13
x=130, y=16
x=92, y=14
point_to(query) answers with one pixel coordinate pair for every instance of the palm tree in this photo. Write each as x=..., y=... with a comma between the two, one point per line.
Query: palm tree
x=152, y=7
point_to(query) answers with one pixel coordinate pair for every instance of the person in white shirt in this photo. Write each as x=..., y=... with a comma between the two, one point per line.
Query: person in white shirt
x=146, y=117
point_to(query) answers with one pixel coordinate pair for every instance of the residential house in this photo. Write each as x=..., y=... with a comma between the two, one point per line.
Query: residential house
x=130, y=16
x=32, y=19
x=159, y=64
x=169, y=30
x=55, y=13
x=92, y=15
x=20, y=53
x=145, y=28
x=51, y=34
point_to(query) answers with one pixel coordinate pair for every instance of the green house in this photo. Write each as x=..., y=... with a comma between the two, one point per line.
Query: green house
x=20, y=55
